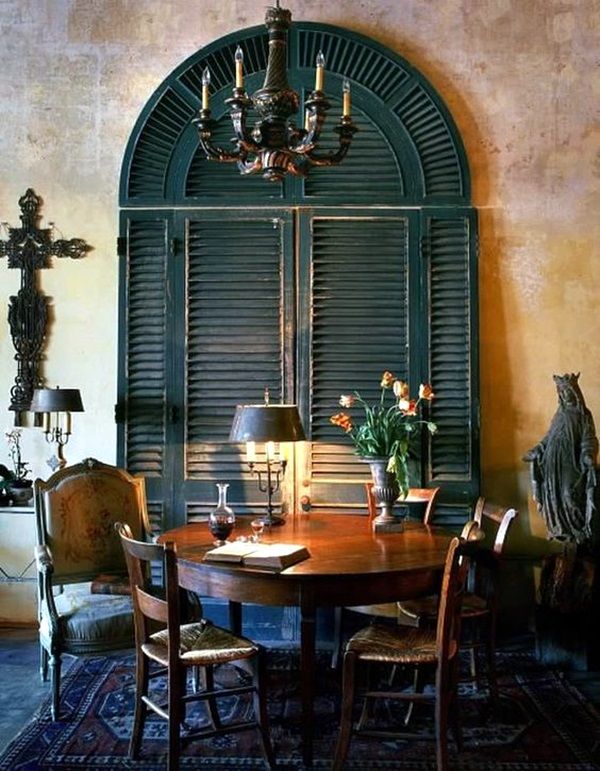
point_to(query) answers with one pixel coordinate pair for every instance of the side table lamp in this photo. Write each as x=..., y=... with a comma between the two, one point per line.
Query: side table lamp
x=269, y=424
x=56, y=405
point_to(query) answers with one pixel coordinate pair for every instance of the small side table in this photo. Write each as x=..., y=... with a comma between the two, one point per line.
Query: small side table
x=18, y=593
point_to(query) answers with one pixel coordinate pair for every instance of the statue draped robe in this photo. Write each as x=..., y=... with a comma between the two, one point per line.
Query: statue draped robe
x=563, y=467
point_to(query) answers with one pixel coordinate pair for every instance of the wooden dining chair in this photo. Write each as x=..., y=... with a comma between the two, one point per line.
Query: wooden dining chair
x=428, y=649
x=425, y=497
x=178, y=648
x=416, y=495
x=480, y=604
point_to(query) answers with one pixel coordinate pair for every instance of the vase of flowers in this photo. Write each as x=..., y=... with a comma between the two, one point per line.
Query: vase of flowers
x=19, y=487
x=384, y=437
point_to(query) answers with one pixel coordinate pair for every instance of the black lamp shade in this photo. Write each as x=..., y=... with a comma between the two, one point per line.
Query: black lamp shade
x=266, y=423
x=56, y=400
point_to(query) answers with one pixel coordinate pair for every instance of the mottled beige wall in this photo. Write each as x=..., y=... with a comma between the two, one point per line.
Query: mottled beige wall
x=522, y=79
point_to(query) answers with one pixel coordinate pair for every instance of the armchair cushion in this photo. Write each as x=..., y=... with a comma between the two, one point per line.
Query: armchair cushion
x=90, y=619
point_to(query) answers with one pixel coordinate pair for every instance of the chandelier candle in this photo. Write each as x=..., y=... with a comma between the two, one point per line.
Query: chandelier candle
x=239, y=68
x=205, y=88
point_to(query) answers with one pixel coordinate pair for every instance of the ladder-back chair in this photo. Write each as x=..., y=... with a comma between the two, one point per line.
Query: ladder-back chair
x=433, y=649
x=179, y=648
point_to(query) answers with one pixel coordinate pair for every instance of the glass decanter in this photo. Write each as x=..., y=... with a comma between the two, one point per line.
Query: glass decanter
x=221, y=520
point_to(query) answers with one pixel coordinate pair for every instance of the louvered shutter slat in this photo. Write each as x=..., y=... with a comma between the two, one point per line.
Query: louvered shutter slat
x=234, y=334
x=351, y=349
x=146, y=346
x=453, y=447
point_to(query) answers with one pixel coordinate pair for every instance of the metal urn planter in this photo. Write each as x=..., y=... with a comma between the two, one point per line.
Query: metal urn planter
x=386, y=491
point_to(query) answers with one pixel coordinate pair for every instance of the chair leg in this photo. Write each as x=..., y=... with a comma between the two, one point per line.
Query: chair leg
x=207, y=677
x=142, y=672
x=55, y=662
x=43, y=664
x=366, y=711
x=418, y=686
x=475, y=662
x=259, y=698
x=337, y=637
x=176, y=685
x=490, y=649
x=454, y=706
x=441, y=726
x=348, y=686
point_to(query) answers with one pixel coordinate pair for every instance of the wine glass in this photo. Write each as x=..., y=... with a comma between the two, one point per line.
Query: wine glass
x=257, y=525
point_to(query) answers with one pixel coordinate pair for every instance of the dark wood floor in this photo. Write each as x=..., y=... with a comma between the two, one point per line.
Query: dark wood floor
x=21, y=691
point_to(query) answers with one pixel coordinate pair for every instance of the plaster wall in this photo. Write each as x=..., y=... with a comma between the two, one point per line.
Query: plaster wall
x=522, y=79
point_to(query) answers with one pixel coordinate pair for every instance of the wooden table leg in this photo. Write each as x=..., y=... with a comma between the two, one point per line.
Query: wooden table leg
x=308, y=635
x=235, y=617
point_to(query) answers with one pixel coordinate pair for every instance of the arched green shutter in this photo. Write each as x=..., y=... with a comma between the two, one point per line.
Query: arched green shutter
x=312, y=286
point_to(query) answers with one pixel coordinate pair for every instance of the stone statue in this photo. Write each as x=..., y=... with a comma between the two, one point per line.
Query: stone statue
x=563, y=467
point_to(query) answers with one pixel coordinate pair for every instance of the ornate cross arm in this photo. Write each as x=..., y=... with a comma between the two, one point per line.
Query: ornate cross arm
x=75, y=248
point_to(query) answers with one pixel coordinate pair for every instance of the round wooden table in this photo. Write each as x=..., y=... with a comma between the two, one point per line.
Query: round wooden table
x=349, y=565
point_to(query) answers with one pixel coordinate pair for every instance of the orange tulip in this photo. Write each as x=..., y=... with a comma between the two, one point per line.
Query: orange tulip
x=342, y=420
x=426, y=392
x=401, y=389
x=387, y=379
x=408, y=406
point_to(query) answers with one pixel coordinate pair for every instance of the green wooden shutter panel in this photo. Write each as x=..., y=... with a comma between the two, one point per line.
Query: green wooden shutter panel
x=359, y=325
x=347, y=183
x=221, y=63
x=450, y=345
x=234, y=333
x=146, y=346
x=207, y=329
x=350, y=58
x=154, y=149
x=429, y=131
x=409, y=115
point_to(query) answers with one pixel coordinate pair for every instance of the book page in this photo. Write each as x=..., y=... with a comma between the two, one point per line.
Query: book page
x=231, y=552
x=276, y=555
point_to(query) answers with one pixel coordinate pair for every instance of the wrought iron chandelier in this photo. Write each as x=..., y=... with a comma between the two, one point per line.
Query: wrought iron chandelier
x=275, y=146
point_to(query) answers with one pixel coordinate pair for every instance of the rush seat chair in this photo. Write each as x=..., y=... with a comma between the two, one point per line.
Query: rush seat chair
x=178, y=648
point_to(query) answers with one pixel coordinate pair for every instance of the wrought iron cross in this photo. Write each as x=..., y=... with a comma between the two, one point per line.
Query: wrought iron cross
x=30, y=248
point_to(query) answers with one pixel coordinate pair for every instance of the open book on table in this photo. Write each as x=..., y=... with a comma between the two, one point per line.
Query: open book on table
x=261, y=555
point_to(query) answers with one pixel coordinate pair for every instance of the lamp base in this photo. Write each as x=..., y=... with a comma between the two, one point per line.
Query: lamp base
x=56, y=461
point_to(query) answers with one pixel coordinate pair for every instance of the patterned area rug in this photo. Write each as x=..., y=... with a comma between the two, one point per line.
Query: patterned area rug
x=542, y=723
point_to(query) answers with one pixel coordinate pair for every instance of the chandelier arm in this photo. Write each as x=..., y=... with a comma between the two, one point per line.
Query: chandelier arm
x=250, y=167
x=345, y=130
x=239, y=104
x=205, y=125
x=316, y=107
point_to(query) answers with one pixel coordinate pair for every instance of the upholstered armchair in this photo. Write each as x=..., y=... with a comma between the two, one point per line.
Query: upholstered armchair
x=84, y=602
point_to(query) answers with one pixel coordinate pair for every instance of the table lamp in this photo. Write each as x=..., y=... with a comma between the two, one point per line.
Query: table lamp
x=56, y=405
x=269, y=424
